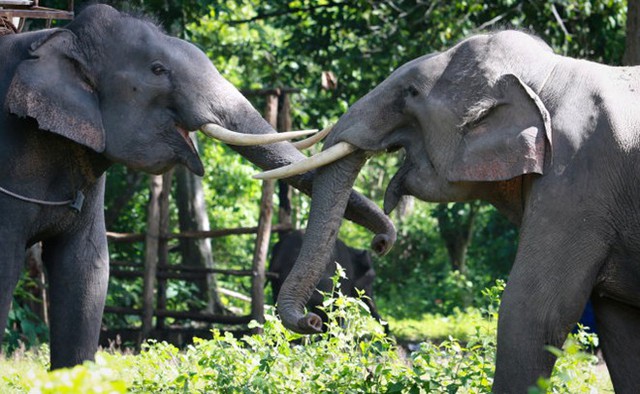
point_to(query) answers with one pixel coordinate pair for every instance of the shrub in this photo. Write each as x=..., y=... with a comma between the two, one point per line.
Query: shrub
x=354, y=356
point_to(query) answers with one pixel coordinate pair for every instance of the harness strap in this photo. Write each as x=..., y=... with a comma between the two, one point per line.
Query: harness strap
x=75, y=204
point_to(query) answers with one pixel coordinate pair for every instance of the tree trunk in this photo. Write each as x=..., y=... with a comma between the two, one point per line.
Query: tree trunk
x=163, y=242
x=192, y=216
x=284, y=190
x=264, y=230
x=260, y=254
x=632, y=45
x=38, y=288
x=455, y=225
x=152, y=239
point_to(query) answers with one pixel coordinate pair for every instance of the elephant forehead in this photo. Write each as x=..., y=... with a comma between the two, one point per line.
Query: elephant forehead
x=133, y=37
x=421, y=72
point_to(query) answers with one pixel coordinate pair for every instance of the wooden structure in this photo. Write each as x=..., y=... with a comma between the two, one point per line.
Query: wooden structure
x=21, y=10
x=156, y=270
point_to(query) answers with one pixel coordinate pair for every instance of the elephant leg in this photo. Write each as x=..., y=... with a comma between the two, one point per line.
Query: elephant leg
x=617, y=325
x=78, y=269
x=547, y=290
x=11, y=264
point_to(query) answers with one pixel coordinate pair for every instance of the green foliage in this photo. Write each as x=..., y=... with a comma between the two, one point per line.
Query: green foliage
x=464, y=325
x=354, y=356
x=416, y=277
x=24, y=327
x=459, y=324
x=575, y=371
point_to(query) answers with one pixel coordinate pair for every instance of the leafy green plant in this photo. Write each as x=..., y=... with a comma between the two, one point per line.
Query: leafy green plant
x=354, y=356
x=576, y=367
x=24, y=328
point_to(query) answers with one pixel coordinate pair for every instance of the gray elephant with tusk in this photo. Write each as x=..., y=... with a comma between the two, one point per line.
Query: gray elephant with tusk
x=109, y=88
x=552, y=142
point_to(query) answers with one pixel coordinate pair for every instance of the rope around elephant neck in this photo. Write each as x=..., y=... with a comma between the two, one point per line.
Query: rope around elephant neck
x=75, y=203
x=546, y=79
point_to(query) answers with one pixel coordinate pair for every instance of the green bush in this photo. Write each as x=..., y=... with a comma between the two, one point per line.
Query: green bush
x=24, y=327
x=354, y=356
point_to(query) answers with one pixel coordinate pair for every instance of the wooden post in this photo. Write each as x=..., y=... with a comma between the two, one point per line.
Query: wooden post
x=152, y=238
x=632, y=45
x=284, y=190
x=37, y=285
x=260, y=253
x=264, y=230
x=284, y=113
x=163, y=248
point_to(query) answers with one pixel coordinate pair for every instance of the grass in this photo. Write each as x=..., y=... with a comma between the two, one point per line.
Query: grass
x=461, y=325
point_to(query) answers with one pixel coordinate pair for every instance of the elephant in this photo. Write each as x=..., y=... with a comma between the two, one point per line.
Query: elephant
x=109, y=88
x=357, y=264
x=551, y=141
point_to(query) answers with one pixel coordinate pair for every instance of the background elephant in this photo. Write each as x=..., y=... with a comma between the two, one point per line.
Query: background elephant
x=107, y=88
x=553, y=143
x=356, y=263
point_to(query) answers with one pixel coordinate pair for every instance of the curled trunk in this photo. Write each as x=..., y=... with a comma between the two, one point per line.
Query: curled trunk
x=331, y=193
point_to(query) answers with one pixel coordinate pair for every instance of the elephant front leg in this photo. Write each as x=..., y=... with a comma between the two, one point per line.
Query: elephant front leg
x=78, y=271
x=617, y=325
x=547, y=290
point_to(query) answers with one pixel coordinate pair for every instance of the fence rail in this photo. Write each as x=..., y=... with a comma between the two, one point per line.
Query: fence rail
x=139, y=237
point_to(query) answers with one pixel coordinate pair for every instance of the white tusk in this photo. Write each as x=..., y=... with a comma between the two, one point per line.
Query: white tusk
x=334, y=153
x=314, y=139
x=242, y=139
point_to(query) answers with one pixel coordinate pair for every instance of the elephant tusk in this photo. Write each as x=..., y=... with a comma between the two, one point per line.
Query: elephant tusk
x=314, y=139
x=242, y=139
x=323, y=158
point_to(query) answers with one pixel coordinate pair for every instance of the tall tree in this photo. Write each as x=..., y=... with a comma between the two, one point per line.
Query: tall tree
x=192, y=216
x=456, y=225
x=632, y=44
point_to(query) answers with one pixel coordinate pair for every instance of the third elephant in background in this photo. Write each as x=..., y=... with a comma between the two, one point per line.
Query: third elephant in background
x=356, y=263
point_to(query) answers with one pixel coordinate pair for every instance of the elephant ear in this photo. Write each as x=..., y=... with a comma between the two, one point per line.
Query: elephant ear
x=53, y=87
x=506, y=135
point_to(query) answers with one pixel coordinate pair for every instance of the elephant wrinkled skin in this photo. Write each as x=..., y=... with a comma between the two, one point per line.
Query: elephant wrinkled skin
x=552, y=142
x=107, y=88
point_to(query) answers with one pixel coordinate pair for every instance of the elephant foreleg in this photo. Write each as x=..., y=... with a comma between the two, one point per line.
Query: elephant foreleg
x=547, y=290
x=78, y=269
x=618, y=325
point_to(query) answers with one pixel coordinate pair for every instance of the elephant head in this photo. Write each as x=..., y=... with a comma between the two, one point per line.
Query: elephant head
x=131, y=94
x=470, y=122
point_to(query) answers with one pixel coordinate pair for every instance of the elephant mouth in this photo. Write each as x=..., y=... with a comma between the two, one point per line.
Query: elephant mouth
x=190, y=158
x=185, y=135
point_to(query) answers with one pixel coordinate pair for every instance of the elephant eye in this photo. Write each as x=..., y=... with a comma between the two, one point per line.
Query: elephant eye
x=412, y=91
x=158, y=69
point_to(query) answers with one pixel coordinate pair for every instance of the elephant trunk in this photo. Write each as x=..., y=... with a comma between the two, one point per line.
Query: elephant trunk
x=331, y=190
